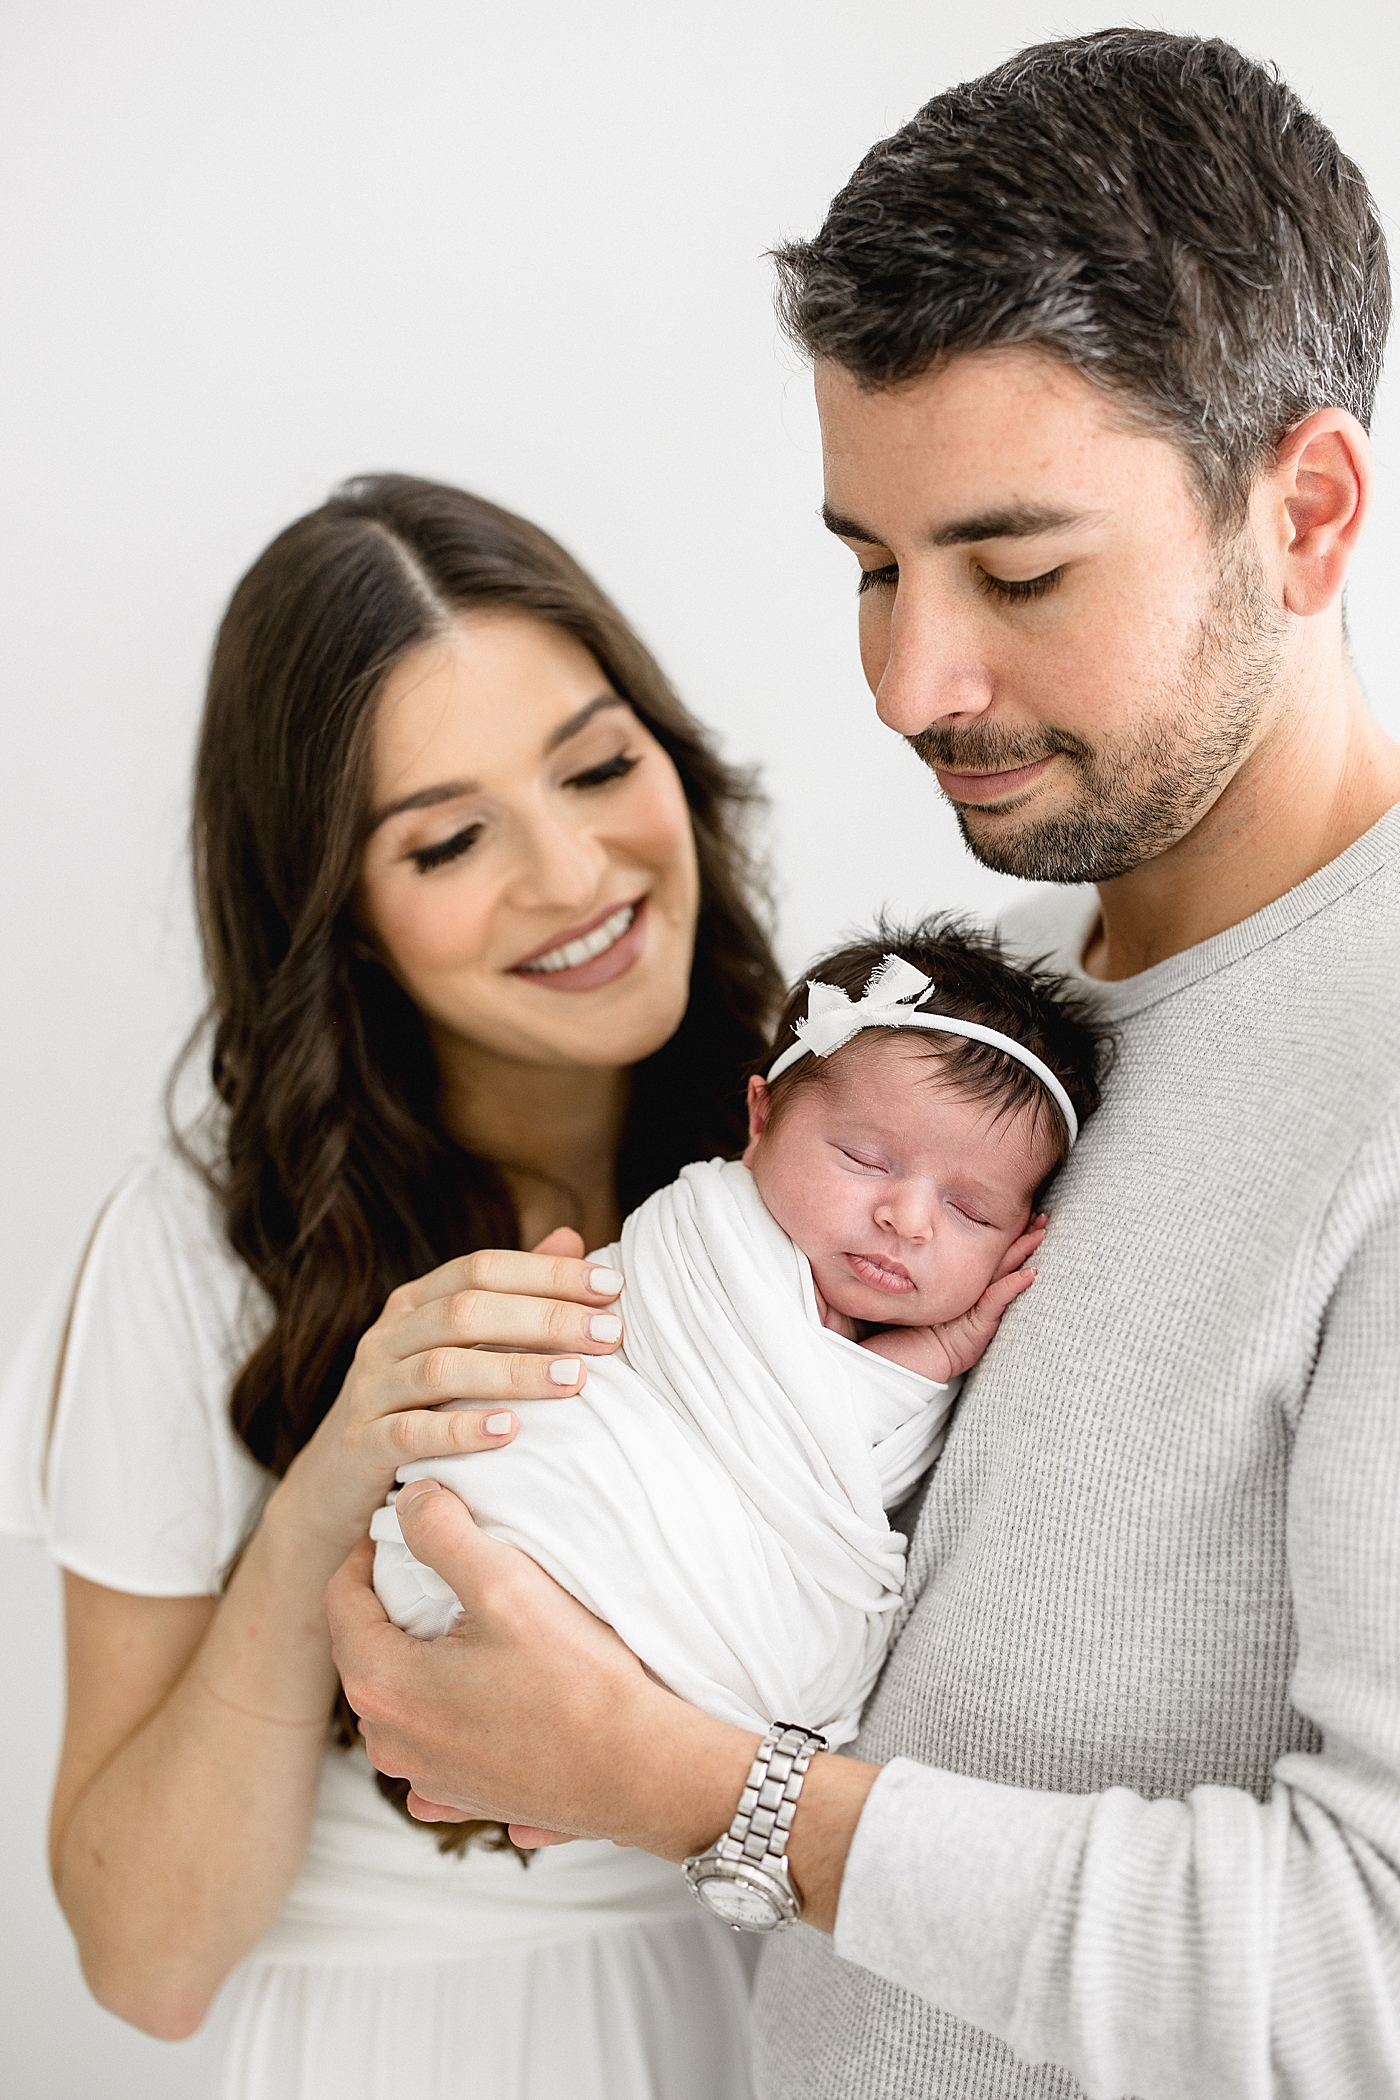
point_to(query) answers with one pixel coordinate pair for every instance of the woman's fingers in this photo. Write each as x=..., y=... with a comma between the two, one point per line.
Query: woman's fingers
x=505, y=1272
x=434, y=1376
x=417, y=1434
x=480, y=1321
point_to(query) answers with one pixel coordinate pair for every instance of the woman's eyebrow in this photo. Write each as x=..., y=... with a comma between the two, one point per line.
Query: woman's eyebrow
x=424, y=798
x=572, y=724
x=449, y=790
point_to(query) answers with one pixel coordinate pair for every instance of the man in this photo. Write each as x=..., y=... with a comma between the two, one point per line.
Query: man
x=1096, y=340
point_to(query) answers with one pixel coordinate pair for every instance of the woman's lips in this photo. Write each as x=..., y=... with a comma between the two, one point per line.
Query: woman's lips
x=548, y=968
x=991, y=787
x=880, y=1273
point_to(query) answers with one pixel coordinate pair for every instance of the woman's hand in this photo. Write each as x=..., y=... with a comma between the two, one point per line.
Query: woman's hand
x=442, y=1369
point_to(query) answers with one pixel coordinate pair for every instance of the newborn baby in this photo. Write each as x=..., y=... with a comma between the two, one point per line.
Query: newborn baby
x=794, y=1323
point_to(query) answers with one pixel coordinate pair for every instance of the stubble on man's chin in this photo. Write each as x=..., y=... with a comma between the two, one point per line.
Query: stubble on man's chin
x=1135, y=797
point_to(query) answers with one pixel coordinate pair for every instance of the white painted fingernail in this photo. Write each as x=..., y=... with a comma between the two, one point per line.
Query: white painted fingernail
x=497, y=1425
x=604, y=1327
x=606, y=1282
x=565, y=1372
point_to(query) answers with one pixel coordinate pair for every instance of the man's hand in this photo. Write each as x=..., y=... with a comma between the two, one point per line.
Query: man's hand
x=533, y=1713
x=529, y=1711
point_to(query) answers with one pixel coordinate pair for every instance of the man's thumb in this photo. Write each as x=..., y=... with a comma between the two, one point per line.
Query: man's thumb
x=438, y=1530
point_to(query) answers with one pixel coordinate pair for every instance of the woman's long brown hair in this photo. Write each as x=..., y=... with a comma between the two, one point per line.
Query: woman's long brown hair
x=337, y=1177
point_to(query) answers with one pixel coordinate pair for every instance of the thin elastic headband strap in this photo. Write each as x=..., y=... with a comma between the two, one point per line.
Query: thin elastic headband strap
x=833, y=1019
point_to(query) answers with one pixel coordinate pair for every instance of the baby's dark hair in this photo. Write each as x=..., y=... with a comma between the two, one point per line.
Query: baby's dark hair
x=972, y=981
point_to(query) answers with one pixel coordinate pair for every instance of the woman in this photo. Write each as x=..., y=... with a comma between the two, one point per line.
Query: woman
x=485, y=972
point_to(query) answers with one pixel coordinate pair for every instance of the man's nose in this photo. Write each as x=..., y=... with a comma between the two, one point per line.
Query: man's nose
x=934, y=670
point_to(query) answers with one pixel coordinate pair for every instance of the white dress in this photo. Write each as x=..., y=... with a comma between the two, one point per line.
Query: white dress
x=394, y=1972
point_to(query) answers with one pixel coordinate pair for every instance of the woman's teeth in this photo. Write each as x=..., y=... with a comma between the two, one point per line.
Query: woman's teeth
x=588, y=945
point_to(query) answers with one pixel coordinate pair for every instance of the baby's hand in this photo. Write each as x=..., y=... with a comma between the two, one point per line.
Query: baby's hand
x=947, y=1351
x=836, y=1322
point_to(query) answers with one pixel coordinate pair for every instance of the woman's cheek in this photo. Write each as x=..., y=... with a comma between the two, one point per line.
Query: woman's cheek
x=438, y=928
x=658, y=830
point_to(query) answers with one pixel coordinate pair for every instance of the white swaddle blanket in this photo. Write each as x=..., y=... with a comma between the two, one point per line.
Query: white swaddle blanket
x=718, y=1491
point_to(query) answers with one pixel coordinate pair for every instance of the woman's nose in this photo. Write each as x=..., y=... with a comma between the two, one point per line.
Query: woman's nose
x=561, y=865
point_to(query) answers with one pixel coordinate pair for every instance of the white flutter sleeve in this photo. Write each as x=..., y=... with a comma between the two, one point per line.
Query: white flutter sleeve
x=114, y=1421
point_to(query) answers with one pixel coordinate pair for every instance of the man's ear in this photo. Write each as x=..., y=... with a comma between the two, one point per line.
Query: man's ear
x=1318, y=493
x=760, y=1108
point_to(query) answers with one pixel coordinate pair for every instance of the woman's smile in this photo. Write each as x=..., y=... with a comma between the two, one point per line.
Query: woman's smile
x=597, y=953
x=534, y=837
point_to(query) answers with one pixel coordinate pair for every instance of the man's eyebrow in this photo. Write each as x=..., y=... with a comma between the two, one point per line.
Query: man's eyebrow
x=449, y=790
x=1020, y=521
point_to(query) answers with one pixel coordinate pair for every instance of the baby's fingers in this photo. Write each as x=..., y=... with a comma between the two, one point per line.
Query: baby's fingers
x=1020, y=1251
x=1000, y=1293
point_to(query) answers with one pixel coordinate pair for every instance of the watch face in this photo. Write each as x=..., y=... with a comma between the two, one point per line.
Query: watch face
x=738, y=1904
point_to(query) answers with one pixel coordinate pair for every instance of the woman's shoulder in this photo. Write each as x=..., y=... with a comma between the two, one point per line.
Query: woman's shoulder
x=165, y=1210
x=125, y=1397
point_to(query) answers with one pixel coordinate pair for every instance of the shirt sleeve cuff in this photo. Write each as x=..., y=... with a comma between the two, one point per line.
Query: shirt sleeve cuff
x=945, y=1882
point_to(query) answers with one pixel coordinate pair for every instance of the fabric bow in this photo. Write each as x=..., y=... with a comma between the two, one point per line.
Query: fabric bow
x=889, y=999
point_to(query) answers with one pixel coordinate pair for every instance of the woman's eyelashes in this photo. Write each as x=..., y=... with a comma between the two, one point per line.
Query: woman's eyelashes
x=426, y=858
x=611, y=769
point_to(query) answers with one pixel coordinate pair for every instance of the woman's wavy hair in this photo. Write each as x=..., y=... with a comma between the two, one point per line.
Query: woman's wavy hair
x=337, y=1178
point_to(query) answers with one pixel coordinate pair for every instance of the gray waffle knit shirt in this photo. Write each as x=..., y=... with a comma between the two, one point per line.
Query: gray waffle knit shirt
x=1139, y=1827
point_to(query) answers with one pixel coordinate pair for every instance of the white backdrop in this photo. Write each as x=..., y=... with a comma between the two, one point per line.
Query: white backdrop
x=253, y=248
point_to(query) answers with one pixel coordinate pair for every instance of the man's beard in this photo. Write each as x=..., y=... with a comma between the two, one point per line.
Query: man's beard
x=1138, y=796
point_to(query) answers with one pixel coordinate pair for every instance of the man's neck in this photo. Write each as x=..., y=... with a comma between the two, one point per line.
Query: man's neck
x=1318, y=779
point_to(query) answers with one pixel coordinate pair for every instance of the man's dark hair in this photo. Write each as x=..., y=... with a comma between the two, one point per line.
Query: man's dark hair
x=1160, y=211
x=972, y=981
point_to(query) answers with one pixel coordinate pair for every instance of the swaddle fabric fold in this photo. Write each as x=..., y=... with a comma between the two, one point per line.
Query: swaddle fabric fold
x=718, y=1491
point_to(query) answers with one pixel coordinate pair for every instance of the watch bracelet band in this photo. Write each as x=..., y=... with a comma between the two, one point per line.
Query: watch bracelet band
x=759, y=1831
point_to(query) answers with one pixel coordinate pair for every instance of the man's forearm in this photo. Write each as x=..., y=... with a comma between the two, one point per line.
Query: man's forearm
x=684, y=1783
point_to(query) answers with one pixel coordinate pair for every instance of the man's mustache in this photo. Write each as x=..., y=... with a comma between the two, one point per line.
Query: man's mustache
x=990, y=748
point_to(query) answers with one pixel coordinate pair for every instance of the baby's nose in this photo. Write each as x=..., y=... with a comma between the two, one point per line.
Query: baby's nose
x=906, y=1213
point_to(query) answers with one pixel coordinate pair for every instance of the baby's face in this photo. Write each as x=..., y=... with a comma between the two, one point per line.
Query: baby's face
x=903, y=1194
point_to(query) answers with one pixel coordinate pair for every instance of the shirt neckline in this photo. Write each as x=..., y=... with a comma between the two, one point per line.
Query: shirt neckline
x=1374, y=851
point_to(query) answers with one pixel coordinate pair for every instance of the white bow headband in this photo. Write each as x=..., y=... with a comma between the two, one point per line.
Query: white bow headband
x=889, y=1001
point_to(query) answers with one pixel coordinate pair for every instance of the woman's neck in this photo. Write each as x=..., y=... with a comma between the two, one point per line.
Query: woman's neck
x=553, y=1130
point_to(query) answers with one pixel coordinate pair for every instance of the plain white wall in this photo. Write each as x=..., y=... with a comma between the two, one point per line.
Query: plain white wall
x=252, y=249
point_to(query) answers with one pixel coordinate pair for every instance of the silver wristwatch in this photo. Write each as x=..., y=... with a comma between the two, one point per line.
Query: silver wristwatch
x=744, y=1878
